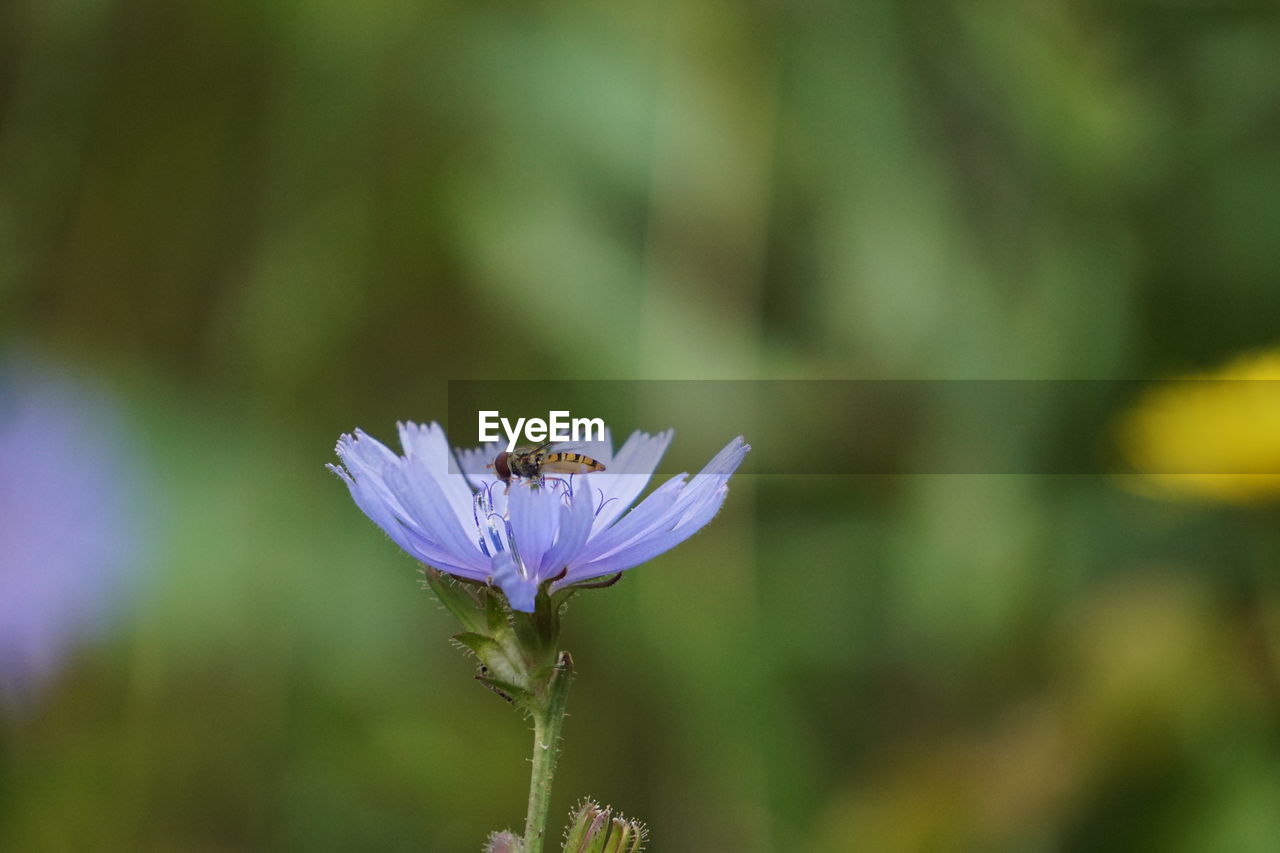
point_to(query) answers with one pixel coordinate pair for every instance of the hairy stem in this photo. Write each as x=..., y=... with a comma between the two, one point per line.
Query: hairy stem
x=548, y=720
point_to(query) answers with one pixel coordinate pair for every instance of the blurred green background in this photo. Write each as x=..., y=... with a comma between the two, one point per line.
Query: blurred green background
x=258, y=225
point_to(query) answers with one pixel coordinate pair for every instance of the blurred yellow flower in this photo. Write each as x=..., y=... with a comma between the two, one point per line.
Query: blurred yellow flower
x=1212, y=436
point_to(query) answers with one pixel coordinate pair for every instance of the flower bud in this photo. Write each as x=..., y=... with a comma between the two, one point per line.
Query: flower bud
x=503, y=842
x=596, y=829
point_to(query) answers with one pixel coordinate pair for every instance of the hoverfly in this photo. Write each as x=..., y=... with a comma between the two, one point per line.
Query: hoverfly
x=534, y=463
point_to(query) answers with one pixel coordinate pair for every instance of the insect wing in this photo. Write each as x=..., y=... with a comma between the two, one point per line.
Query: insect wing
x=530, y=450
x=566, y=446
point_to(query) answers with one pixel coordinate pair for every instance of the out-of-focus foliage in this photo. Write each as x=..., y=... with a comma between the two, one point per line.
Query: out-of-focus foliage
x=258, y=225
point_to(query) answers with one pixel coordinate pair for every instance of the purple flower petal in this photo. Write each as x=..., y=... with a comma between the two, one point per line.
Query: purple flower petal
x=575, y=527
x=535, y=520
x=431, y=508
x=520, y=533
x=367, y=462
x=428, y=445
x=474, y=461
x=520, y=590
x=631, y=468
x=685, y=509
x=655, y=544
x=636, y=523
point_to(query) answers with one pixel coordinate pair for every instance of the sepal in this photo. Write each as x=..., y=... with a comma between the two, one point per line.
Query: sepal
x=515, y=651
x=456, y=598
x=508, y=690
x=497, y=613
x=495, y=661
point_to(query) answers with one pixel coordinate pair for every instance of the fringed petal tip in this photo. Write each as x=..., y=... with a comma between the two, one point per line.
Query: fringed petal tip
x=728, y=459
x=416, y=437
x=351, y=442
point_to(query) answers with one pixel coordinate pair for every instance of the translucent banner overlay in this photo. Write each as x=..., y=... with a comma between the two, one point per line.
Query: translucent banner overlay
x=1159, y=427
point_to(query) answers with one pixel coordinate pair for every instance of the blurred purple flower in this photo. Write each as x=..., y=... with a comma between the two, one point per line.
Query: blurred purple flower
x=572, y=530
x=65, y=541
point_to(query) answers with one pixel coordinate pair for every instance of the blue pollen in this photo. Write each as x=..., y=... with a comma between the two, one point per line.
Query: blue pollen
x=482, y=502
x=515, y=552
x=475, y=515
x=603, y=503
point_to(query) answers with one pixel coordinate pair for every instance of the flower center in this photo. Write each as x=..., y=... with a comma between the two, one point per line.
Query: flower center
x=490, y=525
x=493, y=528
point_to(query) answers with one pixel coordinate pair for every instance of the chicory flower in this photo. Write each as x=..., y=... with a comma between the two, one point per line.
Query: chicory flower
x=68, y=533
x=518, y=536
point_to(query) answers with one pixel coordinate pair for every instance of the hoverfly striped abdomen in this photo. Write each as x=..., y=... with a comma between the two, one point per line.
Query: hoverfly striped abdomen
x=570, y=463
x=533, y=463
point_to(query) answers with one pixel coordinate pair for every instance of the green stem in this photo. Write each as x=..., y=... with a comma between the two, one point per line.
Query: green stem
x=548, y=720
